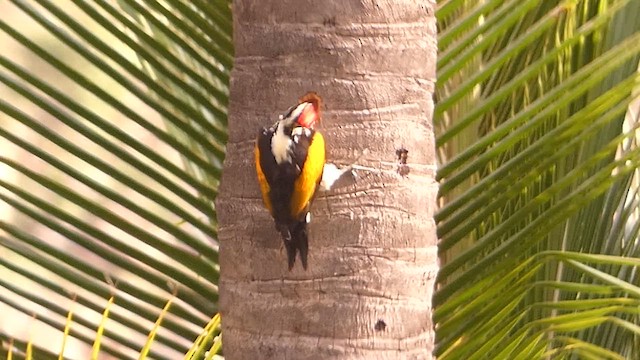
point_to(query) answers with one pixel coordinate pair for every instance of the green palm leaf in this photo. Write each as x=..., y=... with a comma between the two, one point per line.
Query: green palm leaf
x=539, y=223
x=113, y=133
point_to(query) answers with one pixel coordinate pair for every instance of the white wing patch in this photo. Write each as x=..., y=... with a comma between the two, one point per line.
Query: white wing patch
x=300, y=131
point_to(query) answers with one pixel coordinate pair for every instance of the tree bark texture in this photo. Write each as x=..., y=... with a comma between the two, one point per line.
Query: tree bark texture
x=373, y=249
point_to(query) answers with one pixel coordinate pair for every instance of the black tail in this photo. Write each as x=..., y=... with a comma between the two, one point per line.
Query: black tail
x=296, y=239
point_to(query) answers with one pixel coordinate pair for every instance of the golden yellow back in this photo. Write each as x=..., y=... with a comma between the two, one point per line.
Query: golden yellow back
x=305, y=186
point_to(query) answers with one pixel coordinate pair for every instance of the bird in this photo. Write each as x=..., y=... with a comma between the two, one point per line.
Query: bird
x=289, y=158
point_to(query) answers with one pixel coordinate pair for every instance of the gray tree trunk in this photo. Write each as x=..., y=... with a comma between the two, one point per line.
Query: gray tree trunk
x=373, y=256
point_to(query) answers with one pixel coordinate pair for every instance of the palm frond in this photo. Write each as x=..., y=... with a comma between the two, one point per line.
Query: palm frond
x=539, y=215
x=112, y=125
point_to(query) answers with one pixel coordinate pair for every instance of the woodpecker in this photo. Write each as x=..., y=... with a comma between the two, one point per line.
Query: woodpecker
x=290, y=158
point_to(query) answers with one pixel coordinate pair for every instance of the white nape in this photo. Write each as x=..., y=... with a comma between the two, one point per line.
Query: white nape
x=281, y=145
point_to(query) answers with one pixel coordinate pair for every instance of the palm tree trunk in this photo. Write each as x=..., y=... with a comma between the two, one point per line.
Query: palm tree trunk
x=372, y=256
